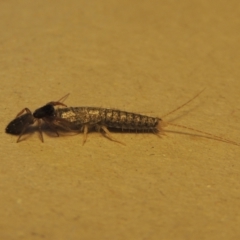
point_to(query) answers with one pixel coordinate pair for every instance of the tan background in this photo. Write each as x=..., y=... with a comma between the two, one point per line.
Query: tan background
x=141, y=56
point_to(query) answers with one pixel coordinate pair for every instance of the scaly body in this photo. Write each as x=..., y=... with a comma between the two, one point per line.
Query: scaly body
x=110, y=118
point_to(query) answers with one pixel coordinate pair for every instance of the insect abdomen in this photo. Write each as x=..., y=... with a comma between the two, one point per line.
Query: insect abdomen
x=128, y=120
x=110, y=118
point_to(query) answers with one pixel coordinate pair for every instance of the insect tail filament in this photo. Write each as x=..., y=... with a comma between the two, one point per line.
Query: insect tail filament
x=210, y=136
x=183, y=104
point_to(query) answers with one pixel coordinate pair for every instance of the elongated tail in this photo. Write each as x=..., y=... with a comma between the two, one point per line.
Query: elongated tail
x=163, y=124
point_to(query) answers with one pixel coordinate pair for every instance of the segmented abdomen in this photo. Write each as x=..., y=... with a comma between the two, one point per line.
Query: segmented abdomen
x=128, y=120
x=110, y=118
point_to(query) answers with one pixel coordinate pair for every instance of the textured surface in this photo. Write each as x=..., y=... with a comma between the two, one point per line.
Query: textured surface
x=139, y=56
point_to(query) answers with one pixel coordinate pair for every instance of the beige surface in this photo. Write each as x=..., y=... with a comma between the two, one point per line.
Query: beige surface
x=142, y=56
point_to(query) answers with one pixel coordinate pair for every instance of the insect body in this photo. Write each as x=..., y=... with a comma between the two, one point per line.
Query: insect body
x=84, y=119
x=111, y=118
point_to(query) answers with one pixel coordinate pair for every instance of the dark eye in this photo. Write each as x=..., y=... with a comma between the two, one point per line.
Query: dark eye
x=45, y=111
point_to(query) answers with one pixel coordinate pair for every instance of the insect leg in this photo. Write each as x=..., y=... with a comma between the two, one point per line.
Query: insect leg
x=40, y=129
x=85, y=131
x=64, y=124
x=108, y=135
x=22, y=111
x=23, y=130
x=51, y=125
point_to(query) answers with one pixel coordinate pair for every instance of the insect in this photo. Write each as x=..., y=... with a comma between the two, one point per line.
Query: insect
x=84, y=119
